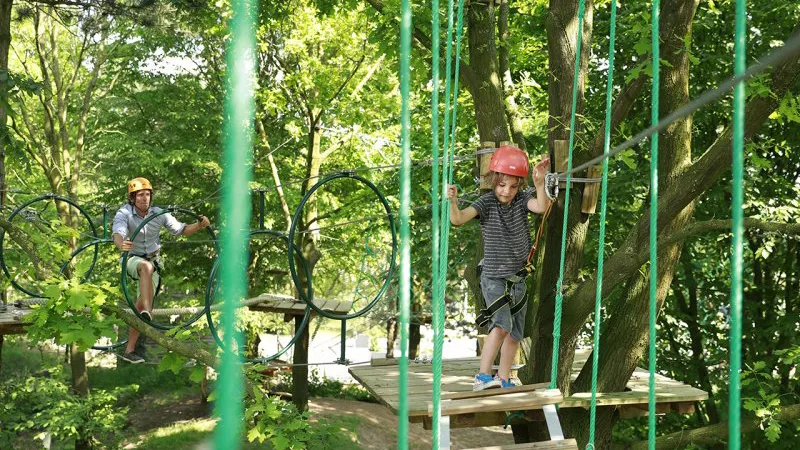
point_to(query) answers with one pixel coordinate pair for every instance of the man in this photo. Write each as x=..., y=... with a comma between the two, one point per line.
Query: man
x=144, y=262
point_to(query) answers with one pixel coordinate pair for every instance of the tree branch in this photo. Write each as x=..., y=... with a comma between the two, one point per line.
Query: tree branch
x=712, y=434
x=684, y=188
x=725, y=225
x=424, y=43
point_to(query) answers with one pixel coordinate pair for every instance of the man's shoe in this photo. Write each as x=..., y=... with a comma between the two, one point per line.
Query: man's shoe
x=146, y=316
x=140, y=348
x=484, y=381
x=133, y=358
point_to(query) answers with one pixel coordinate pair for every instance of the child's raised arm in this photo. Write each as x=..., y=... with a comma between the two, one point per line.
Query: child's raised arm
x=539, y=204
x=459, y=216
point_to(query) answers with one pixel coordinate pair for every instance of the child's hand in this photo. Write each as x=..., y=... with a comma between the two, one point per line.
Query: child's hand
x=452, y=192
x=540, y=170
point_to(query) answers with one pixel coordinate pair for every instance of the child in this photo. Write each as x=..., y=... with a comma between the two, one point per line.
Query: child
x=506, y=243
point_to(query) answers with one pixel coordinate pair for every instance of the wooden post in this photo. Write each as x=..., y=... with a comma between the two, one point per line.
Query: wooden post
x=483, y=162
x=591, y=189
x=561, y=150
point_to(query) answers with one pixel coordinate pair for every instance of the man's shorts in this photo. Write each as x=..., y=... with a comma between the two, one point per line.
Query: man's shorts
x=494, y=288
x=133, y=272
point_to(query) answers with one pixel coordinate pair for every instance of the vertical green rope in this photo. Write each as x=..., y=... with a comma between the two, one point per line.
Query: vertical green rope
x=405, y=199
x=437, y=320
x=601, y=242
x=560, y=284
x=651, y=418
x=235, y=213
x=453, y=121
x=448, y=165
x=441, y=225
x=734, y=401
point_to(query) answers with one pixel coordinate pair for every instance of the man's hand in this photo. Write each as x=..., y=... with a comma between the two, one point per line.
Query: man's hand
x=126, y=245
x=203, y=222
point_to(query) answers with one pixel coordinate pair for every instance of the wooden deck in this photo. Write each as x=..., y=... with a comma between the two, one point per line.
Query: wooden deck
x=285, y=304
x=12, y=319
x=457, y=377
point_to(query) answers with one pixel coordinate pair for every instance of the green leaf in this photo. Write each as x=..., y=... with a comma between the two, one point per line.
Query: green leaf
x=197, y=374
x=172, y=362
x=773, y=431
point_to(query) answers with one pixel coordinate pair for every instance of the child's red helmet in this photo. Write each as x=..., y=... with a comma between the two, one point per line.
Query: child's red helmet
x=509, y=160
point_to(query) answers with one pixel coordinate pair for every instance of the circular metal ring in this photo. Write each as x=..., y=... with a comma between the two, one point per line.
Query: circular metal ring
x=20, y=210
x=210, y=296
x=293, y=230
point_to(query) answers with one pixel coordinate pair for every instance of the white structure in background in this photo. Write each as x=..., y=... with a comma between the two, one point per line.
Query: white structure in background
x=325, y=349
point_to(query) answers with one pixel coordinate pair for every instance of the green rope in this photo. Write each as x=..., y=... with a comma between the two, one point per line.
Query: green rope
x=560, y=284
x=734, y=400
x=405, y=199
x=441, y=225
x=235, y=212
x=601, y=242
x=437, y=317
x=448, y=165
x=651, y=418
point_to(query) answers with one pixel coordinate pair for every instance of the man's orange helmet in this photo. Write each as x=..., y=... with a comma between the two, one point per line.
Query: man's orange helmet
x=139, y=183
x=509, y=160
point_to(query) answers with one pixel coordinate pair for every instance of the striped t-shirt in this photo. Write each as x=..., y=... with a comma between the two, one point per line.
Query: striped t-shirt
x=506, y=233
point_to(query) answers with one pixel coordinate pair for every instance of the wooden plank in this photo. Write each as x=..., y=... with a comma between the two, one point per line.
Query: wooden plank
x=685, y=394
x=515, y=401
x=343, y=307
x=546, y=445
x=493, y=392
x=483, y=163
x=561, y=151
x=591, y=190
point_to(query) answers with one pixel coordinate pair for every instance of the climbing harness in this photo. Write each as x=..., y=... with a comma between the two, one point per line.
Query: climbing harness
x=486, y=314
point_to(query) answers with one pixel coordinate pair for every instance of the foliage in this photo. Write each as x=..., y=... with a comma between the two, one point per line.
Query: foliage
x=44, y=404
x=72, y=314
x=278, y=422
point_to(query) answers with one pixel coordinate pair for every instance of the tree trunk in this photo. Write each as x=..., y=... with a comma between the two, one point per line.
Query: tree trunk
x=487, y=94
x=511, y=107
x=562, y=35
x=80, y=384
x=625, y=336
x=300, y=367
x=308, y=241
x=5, y=44
x=696, y=336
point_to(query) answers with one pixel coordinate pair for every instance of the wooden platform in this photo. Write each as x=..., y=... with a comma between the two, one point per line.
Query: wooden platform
x=285, y=304
x=547, y=445
x=12, y=320
x=457, y=377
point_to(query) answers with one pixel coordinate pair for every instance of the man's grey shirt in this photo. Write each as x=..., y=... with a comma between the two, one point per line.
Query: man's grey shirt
x=147, y=240
x=506, y=233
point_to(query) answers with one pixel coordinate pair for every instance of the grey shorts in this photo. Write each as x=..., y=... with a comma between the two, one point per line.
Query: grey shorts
x=132, y=268
x=494, y=288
